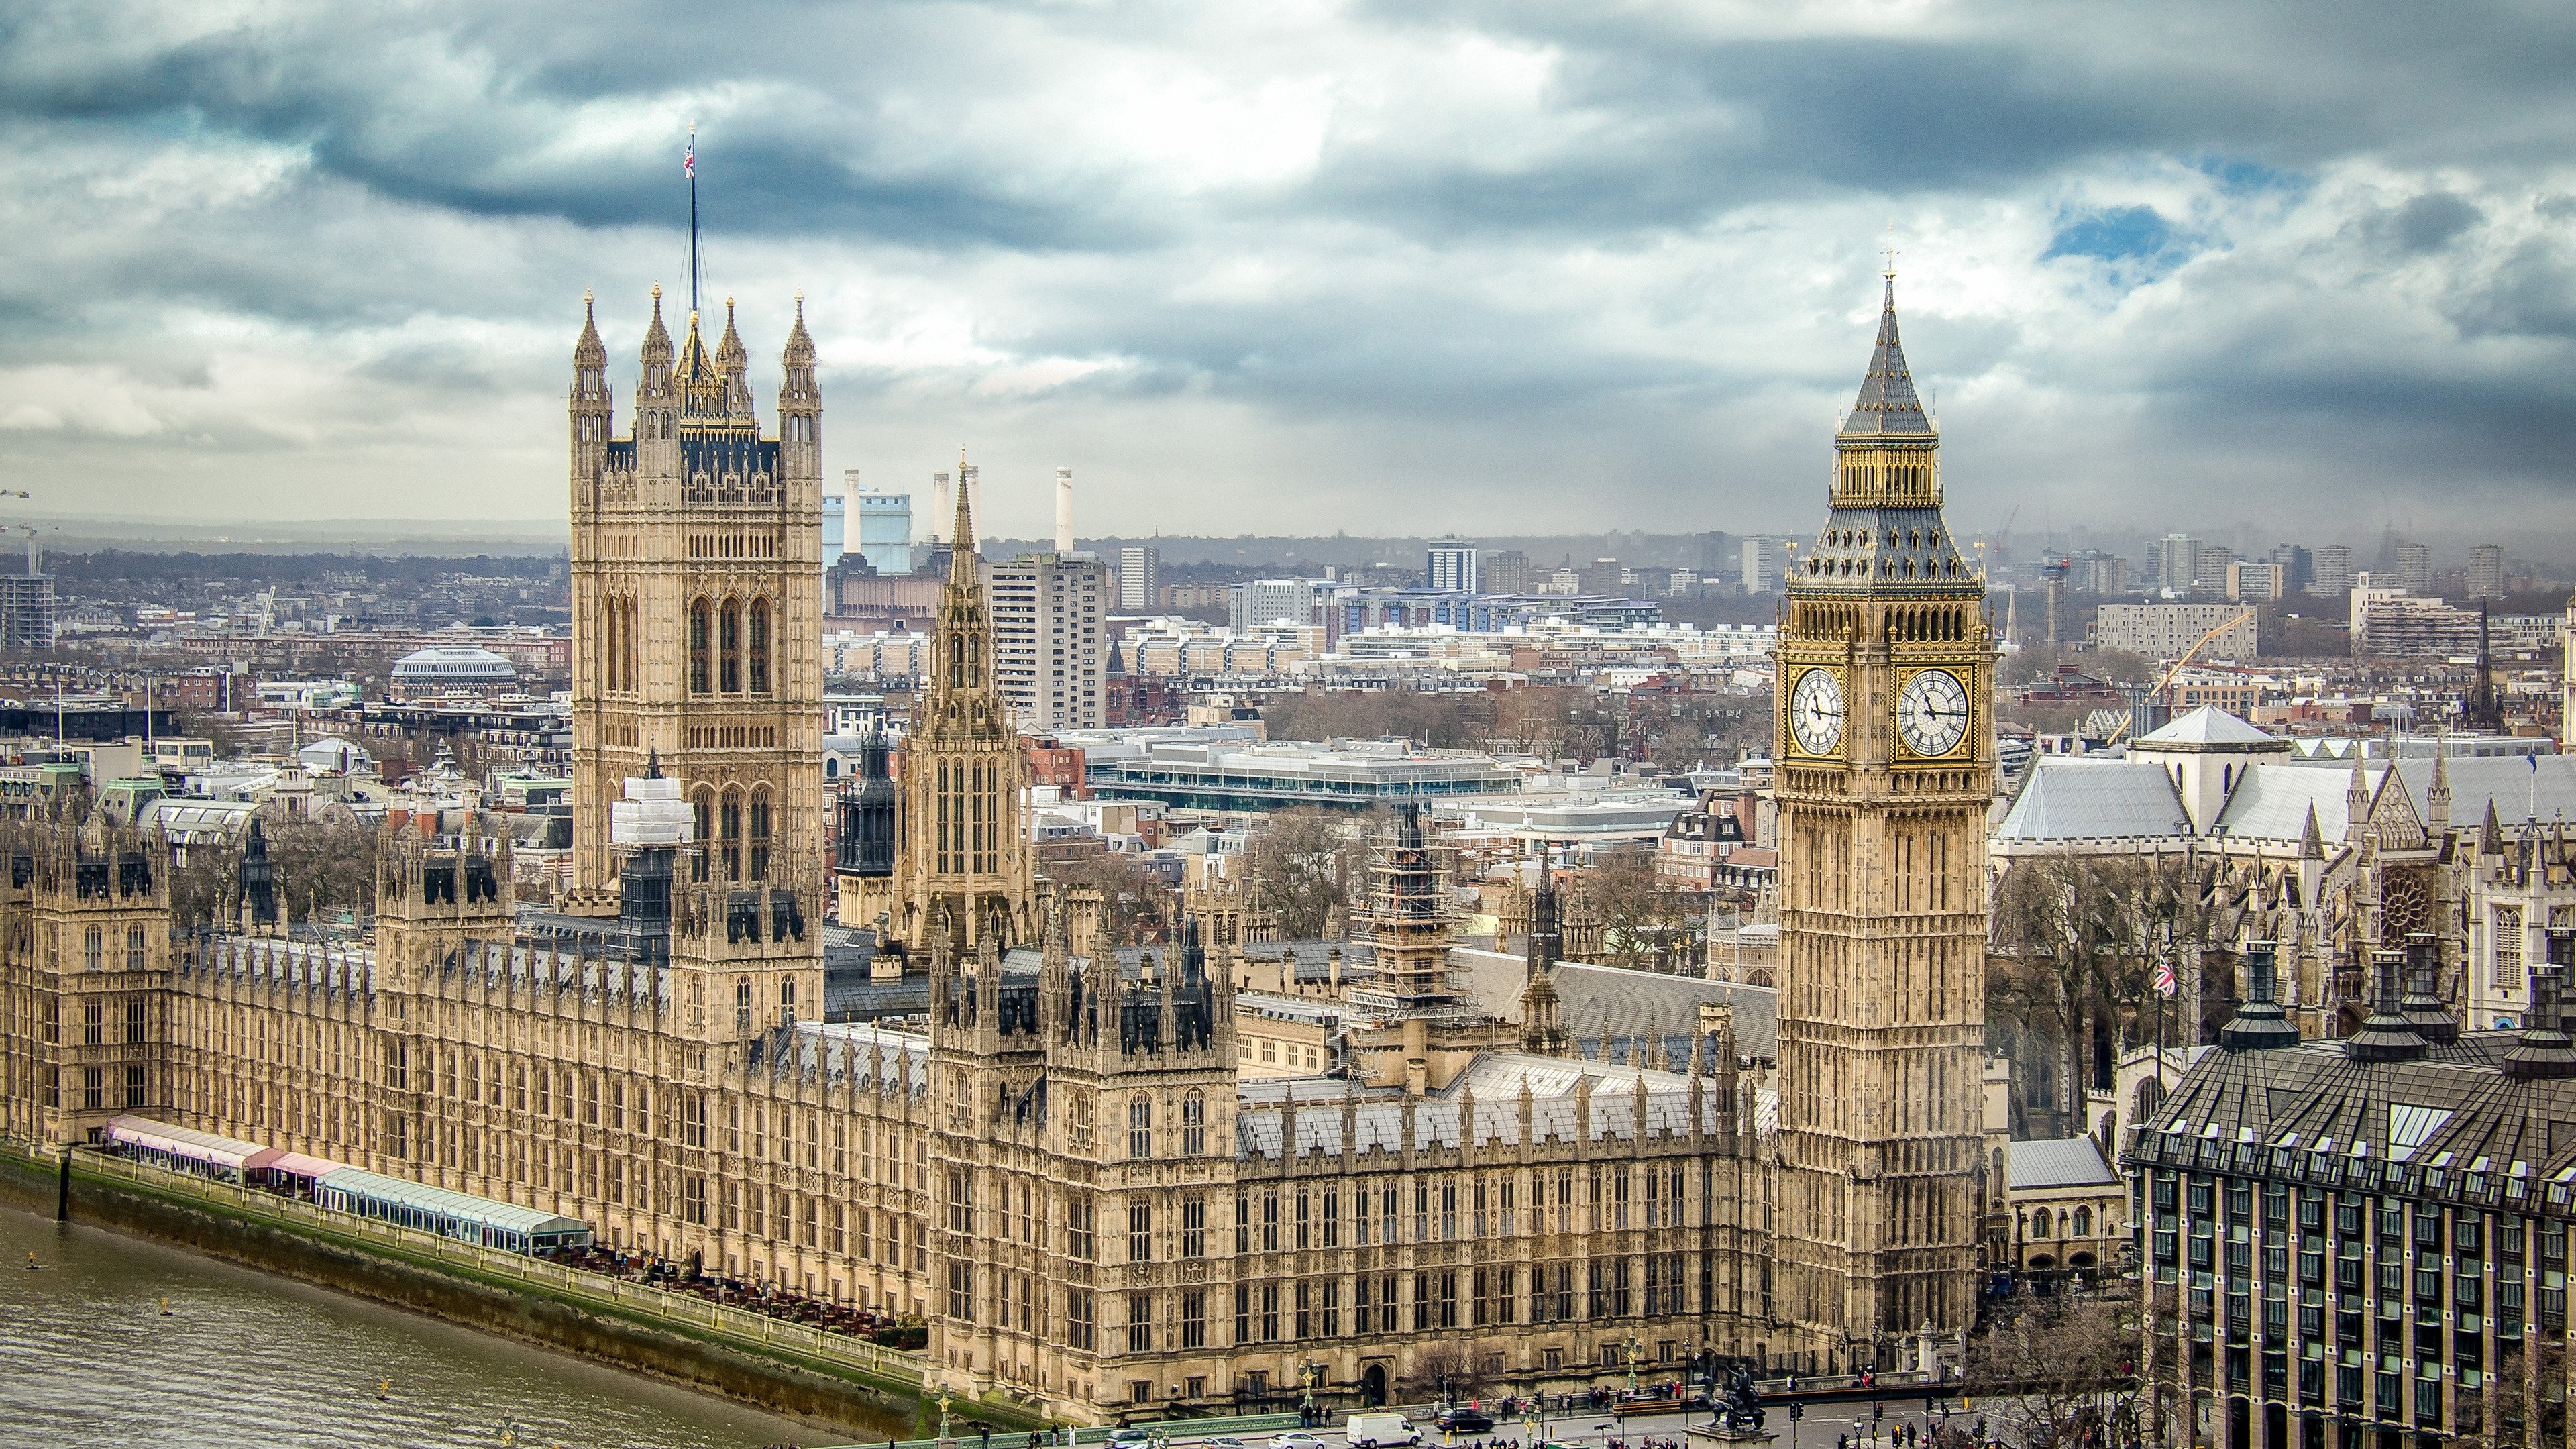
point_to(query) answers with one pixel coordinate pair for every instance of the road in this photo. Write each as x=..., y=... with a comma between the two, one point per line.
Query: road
x=1584, y=1430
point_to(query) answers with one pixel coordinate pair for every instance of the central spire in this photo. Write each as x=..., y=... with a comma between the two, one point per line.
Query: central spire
x=1887, y=406
x=961, y=542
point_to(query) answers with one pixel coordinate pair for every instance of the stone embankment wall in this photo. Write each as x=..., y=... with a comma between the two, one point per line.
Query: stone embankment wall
x=857, y=1401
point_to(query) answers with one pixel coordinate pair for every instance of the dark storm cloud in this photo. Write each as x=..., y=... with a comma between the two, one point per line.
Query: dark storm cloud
x=1484, y=239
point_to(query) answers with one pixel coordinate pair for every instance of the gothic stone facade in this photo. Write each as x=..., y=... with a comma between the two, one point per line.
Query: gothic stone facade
x=1065, y=1174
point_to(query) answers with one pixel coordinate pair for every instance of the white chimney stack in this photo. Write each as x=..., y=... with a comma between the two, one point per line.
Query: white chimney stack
x=940, y=512
x=1064, y=510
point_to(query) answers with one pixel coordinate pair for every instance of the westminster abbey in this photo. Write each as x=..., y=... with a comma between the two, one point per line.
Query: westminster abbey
x=1060, y=1168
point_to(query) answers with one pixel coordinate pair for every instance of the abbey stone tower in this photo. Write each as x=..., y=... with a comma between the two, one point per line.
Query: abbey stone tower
x=1885, y=742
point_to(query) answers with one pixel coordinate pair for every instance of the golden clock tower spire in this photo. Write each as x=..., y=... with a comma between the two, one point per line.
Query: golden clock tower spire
x=1885, y=743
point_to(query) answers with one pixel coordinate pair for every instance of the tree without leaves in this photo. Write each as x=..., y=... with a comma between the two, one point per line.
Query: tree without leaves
x=1134, y=904
x=2059, y=1368
x=1308, y=870
x=2075, y=940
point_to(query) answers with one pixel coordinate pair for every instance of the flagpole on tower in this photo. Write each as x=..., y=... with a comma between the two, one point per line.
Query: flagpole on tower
x=689, y=168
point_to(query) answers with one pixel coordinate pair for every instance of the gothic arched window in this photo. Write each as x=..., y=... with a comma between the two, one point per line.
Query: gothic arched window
x=699, y=672
x=730, y=830
x=759, y=651
x=1194, y=1124
x=742, y=1003
x=2083, y=1222
x=1140, y=1128
x=2039, y=1223
x=760, y=833
x=729, y=648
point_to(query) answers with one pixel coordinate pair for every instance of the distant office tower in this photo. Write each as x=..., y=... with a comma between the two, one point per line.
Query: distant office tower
x=1270, y=601
x=2293, y=568
x=2254, y=583
x=1507, y=572
x=27, y=609
x=2173, y=562
x=2096, y=572
x=2333, y=570
x=1140, y=578
x=2210, y=566
x=1606, y=576
x=1049, y=646
x=835, y=515
x=1765, y=560
x=1453, y=566
x=1718, y=557
x=885, y=531
x=2486, y=572
x=2415, y=567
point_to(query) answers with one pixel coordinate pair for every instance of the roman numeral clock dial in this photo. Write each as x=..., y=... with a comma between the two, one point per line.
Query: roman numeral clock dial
x=1816, y=711
x=1932, y=712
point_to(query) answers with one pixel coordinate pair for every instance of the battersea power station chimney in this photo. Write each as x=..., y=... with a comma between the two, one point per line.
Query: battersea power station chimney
x=1064, y=510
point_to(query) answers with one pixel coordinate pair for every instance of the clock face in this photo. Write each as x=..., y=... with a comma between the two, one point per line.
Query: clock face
x=1816, y=711
x=1932, y=713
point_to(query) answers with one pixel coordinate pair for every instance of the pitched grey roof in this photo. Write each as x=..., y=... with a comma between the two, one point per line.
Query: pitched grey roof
x=1887, y=406
x=2068, y=797
x=2057, y=1162
x=2209, y=725
x=2273, y=800
x=1643, y=1003
x=2508, y=781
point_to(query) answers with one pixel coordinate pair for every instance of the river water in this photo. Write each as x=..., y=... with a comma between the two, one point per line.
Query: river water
x=88, y=1360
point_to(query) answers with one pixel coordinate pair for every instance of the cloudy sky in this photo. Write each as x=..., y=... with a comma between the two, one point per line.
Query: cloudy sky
x=1298, y=267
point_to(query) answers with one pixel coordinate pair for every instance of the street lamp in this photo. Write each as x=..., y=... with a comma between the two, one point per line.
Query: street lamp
x=1632, y=1348
x=1310, y=1371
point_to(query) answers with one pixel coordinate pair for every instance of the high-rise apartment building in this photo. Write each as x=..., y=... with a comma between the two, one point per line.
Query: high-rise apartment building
x=1507, y=572
x=1140, y=578
x=2333, y=573
x=2173, y=562
x=1885, y=738
x=1453, y=567
x=1270, y=601
x=2414, y=567
x=1762, y=562
x=2210, y=565
x=1050, y=649
x=1604, y=576
x=27, y=610
x=1719, y=554
x=2486, y=571
x=2293, y=568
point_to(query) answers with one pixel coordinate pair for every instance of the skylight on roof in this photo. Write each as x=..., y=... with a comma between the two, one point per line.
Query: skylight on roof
x=2411, y=1126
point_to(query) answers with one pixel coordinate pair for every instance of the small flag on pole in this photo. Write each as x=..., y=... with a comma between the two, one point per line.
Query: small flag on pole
x=689, y=160
x=2165, y=983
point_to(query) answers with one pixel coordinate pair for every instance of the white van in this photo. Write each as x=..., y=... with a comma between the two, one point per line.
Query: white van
x=1374, y=1431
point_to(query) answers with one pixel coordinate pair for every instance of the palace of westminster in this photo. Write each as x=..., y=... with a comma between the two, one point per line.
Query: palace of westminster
x=1062, y=1170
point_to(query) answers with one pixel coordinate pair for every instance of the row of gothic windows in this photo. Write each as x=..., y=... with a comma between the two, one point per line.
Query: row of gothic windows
x=721, y=828
x=620, y=646
x=728, y=646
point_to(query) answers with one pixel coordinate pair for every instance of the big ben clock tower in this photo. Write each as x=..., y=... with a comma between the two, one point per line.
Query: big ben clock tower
x=1885, y=748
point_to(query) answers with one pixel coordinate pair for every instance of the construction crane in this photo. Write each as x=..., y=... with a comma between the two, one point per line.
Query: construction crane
x=2188, y=655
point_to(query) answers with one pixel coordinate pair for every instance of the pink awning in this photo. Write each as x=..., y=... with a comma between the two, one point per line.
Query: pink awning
x=296, y=1164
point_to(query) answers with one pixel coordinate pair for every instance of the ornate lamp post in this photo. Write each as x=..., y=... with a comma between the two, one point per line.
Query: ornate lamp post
x=1310, y=1371
x=943, y=1411
x=1632, y=1348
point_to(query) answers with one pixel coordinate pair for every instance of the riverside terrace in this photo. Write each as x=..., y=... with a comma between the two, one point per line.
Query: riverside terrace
x=1220, y=775
x=2397, y=1202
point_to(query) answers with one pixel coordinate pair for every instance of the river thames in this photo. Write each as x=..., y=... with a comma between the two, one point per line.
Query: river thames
x=88, y=1360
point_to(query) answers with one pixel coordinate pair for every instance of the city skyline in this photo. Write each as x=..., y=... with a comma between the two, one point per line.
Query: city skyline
x=1247, y=275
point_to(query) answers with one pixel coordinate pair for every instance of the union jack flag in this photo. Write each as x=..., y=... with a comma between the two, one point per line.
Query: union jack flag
x=689, y=161
x=2165, y=983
